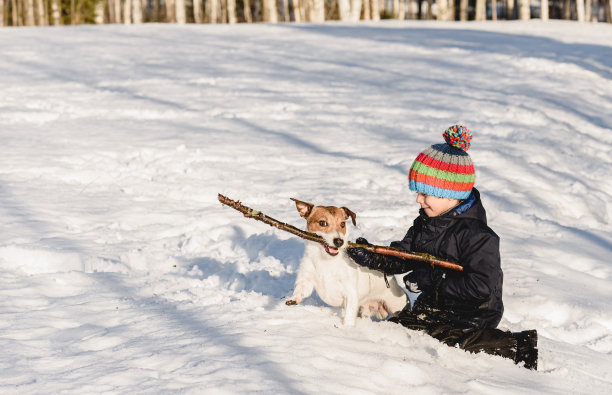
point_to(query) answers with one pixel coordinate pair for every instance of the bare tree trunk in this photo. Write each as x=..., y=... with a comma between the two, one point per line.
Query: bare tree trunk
x=375, y=10
x=2, y=16
x=231, y=11
x=443, y=10
x=40, y=12
x=247, y=11
x=212, y=10
x=116, y=6
x=588, y=10
x=99, y=13
x=524, y=10
x=494, y=10
x=181, y=14
x=429, y=9
x=29, y=13
x=510, y=8
x=344, y=10
x=580, y=10
x=14, y=12
x=608, y=11
x=136, y=11
x=269, y=11
x=481, y=10
x=170, y=11
x=544, y=10
x=296, y=10
x=197, y=11
x=356, y=10
x=463, y=10
x=316, y=11
x=395, y=9
x=127, y=12
x=223, y=4
x=286, y=16
x=367, y=4
x=566, y=12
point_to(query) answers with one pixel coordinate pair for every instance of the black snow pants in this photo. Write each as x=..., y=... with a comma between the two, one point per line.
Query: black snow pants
x=441, y=325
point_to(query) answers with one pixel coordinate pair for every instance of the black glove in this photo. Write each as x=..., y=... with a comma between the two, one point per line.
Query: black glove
x=384, y=263
x=423, y=279
x=361, y=256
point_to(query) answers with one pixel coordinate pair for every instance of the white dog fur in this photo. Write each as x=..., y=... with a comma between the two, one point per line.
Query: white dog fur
x=332, y=273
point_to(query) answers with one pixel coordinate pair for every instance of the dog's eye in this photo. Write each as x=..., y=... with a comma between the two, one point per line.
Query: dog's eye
x=323, y=223
x=342, y=224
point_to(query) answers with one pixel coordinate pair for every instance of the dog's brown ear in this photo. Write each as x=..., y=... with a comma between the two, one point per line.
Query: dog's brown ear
x=304, y=208
x=351, y=214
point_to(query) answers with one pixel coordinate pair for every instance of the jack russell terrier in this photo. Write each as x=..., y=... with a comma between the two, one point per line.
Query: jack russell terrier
x=338, y=280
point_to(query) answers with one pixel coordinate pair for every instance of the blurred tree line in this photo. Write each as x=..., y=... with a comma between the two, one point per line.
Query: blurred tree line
x=72, y=12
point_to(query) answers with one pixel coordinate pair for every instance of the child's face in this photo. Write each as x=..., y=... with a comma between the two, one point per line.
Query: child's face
x=434, y=206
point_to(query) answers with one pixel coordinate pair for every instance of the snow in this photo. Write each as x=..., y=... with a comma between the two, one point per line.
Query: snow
x=122, y=273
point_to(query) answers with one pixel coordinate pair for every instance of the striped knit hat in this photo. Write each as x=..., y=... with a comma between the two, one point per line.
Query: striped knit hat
x=445, y=170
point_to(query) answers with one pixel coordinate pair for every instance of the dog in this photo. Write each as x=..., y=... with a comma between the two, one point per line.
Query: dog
x=338, y=280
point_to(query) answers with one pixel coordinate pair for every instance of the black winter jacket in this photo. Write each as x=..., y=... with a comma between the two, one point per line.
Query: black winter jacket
x=474, y=295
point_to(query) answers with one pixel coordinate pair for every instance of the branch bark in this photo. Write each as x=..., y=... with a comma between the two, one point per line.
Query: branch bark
x=259, y=216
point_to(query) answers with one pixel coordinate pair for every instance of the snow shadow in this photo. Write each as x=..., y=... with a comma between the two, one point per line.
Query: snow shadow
x=270, y=270
x=580, y=54
x=306, y=145
x=198, y=329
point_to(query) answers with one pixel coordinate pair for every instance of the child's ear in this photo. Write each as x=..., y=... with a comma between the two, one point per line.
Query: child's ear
x=351, y=214
x=304, y=208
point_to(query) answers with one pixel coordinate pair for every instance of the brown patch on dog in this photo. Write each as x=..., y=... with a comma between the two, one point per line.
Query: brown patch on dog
x=325, y=219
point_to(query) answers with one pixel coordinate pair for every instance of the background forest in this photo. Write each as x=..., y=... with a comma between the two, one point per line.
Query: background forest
x=72, y=12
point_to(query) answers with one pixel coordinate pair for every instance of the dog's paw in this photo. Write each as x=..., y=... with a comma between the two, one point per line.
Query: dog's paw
x=292, y=302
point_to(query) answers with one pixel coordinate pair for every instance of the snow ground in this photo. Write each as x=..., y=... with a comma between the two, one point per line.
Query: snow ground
x=121, y=272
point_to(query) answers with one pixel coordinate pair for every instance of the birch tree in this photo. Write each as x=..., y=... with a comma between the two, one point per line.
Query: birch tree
x=588, y=10
x=137, y=16
x=316, y=11
x=494, y=10
x=2, y=16
x=127, y=12
x=99, y=12
x=212, y=10
x=580, y=10
x=247, y=11
x=231, y=11
x=41, y=12
x=197, y=11
x=443, y=10
x=510, y=8
x=181, y=14
x=375, y=10
x=170, y=11
x=367, y=6
x=524, y=10
x=29, y=13
x=463, y=10
x=481, y=10
x=270, y=14
x=544, y=10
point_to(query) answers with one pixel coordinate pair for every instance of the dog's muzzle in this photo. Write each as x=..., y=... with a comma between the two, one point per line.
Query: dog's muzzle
x=333, y=251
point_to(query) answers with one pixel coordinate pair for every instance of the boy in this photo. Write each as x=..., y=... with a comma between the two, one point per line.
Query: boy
x=459, y=308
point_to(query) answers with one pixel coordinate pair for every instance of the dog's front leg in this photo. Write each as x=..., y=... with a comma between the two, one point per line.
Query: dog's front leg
x=351, y=308
x=304, y=283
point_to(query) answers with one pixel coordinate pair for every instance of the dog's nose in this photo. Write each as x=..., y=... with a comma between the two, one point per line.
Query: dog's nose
x=338, y=242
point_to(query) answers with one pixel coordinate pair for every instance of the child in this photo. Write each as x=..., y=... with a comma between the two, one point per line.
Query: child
x=459, y=308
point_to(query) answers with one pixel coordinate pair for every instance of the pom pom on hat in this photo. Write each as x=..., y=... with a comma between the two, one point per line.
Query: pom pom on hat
x=458, y=136
x=445, y=170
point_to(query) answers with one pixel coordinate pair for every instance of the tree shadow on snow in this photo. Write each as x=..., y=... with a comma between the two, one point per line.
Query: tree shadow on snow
x=270, y=270
x=592, y=57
